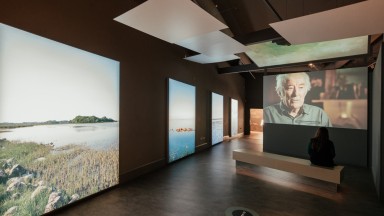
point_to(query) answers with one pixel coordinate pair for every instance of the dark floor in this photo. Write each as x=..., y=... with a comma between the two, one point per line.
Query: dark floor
x=207, y=184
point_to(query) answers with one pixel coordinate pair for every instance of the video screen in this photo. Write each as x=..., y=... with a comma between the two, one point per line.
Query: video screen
x=217, y=118
x=59, y=123
x=330, y=98
x=234, y=117
x=271, y=54
x=181, y=123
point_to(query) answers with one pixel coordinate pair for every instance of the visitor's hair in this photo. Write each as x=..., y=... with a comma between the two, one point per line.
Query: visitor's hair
x=281, y=80
x=321, y=138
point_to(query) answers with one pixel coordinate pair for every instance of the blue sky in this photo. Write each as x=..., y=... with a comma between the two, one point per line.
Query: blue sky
x=217, y=106
x=42, y=80
x=182, y=100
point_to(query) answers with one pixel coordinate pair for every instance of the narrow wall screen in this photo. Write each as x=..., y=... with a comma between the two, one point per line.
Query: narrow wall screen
x=234, y=117
x=181, y=122
x=217, y=118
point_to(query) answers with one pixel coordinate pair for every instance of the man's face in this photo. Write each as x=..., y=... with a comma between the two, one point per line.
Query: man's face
x=295, y=91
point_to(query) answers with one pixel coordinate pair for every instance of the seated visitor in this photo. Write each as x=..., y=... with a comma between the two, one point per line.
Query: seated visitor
x=321, y=150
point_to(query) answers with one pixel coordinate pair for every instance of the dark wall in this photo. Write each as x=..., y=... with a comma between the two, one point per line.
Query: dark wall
x=145, y=65
x=376, y=110
x=253, y=96
x=350, y=145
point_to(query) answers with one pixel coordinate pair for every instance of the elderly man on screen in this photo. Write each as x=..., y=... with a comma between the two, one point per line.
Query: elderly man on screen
x=292, y=89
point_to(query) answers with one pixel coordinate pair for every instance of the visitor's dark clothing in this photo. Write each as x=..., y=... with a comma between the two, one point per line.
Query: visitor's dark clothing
x=322, y=156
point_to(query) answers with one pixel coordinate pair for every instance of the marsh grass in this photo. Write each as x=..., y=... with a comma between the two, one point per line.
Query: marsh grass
x=23, y=153
x=3, y=195
x=79, y=170
x=71, y=169
x=33, y=207
x=26, y=206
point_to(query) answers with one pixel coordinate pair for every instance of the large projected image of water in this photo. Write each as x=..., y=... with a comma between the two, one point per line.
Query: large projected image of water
x=181, y=113
x=234, y=117
x=217, y=118
x=331, y=98
x=59, y=129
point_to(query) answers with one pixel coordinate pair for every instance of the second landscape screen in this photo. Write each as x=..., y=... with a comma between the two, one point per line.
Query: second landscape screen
x=181, y=113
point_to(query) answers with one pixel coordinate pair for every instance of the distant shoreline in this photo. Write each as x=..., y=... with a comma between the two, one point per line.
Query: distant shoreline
x=76, y=120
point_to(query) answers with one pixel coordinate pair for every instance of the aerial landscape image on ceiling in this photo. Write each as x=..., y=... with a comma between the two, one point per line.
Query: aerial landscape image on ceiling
x=271, y=54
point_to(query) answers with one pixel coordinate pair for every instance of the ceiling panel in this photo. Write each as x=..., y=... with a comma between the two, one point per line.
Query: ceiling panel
x=364, y=18
x=213, y=44
x=203, y=59
x=170, y=20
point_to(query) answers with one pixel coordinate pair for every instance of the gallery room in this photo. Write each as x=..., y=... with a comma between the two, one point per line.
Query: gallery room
x=191, y=107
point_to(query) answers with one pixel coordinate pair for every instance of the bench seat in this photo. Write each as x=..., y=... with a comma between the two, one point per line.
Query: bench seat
x=289, y=164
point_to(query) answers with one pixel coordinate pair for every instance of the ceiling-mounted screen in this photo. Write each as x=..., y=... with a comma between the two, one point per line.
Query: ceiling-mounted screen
x=271, y=54
x=331, y=98
x=217, y=118
x=59, y=129
x=181, y=122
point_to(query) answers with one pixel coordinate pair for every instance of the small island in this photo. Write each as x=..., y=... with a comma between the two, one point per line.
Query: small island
x=90, y=119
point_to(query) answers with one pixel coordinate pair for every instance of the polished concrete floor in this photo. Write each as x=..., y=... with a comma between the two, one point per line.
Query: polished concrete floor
x=207, y=184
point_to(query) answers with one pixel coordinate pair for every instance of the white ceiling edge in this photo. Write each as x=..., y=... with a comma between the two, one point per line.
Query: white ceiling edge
x=213, y=44
x=170, y=20
x=203, y=59
x=359, y=19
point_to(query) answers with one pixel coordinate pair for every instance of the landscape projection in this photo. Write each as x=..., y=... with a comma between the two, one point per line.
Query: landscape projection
x=331, y=98
x=59, y=129
x=217, y=118
x=181, y=123
x=271, y=54
x=234, y=117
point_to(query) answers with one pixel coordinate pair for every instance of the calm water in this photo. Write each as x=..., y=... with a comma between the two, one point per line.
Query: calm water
x=97, y=136
x=217, y=131
x=181, y=144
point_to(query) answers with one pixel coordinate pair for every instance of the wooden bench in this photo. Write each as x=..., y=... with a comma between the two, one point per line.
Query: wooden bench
x=290, y=164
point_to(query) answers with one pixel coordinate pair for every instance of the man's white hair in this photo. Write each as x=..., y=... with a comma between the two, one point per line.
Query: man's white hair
x=281, y=80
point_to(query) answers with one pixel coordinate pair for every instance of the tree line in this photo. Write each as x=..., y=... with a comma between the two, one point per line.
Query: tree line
x=90, y=119
x=77, y=119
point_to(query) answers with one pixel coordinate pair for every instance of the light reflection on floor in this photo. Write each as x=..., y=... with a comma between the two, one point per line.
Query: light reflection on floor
x=256, y=139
